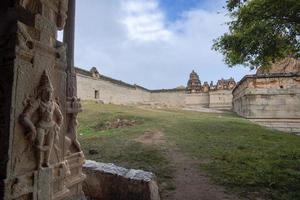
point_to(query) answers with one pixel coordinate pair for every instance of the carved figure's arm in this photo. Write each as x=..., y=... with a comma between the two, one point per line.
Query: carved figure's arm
x=25, y=118
x=58, y=114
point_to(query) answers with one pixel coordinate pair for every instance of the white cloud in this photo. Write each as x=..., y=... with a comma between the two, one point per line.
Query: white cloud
x=129, y=40
x=144, y=21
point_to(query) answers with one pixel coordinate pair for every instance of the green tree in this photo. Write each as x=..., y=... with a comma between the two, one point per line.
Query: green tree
x=260, y=32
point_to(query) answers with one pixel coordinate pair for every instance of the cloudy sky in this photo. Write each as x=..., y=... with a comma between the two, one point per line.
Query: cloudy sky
x=153, y=43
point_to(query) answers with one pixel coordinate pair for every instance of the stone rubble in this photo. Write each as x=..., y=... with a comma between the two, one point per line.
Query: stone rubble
x=119, y=123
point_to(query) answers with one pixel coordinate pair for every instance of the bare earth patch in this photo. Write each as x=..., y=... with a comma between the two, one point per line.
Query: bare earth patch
x=116, y=123
x=191, y=184
x=151, y=137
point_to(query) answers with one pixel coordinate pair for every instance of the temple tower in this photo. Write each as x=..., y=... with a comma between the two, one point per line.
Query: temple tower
x=194, y=83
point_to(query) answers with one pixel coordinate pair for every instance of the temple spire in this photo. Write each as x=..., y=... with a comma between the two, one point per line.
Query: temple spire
x=194, y=83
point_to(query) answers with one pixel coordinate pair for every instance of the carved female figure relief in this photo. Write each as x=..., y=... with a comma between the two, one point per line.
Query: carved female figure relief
x=46, y=129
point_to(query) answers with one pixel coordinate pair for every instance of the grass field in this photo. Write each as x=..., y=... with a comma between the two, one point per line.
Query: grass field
x=246, y=158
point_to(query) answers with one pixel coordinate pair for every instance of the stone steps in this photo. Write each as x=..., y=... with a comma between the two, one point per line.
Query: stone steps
x=285, y=125
x=202, y=109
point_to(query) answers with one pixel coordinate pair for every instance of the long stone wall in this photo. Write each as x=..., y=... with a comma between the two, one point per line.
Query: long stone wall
x=220, y=99
x=197, y=100
x=101, y=88
x=88, y=87
x=168, y=98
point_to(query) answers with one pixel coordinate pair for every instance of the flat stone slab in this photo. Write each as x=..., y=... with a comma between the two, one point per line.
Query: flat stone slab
x=201, y=109
x=106, y=181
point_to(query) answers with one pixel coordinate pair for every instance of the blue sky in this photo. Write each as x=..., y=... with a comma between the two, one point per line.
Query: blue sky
x=175, y=8
x=153, y=43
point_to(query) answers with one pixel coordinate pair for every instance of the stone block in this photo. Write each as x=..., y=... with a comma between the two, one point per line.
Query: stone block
x=110, y=182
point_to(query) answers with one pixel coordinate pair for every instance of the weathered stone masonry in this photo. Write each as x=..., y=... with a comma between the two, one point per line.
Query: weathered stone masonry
x=94, y=86
x=271, y=98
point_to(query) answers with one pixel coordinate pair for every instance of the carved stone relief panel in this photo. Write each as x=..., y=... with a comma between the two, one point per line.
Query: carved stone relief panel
x=44, y=134
x=35, y=127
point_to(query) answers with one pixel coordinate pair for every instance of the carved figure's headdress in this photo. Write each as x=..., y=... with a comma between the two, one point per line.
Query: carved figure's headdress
x=45, y=82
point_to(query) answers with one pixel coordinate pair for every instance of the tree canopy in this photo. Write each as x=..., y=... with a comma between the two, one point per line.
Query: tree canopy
x=261, y=32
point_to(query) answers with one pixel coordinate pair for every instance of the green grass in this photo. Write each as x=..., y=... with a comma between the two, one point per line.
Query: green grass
x=246, y=158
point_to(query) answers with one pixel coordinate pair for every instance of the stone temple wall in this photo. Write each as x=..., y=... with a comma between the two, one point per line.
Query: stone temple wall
x=101, y=88
x=197, y=100
x=272, y=100
x=168, y=98
x=90, y=88
x=220, y=99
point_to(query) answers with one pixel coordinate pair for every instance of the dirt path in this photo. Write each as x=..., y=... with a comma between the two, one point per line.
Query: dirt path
x=192, y=184
x=151, y=137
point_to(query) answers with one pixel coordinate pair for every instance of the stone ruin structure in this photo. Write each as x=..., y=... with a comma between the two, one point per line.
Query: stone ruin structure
x=94, y=86
x=218, y=96
x=40, y=156
x=223, y=84
x=95, y=72
x=194, y=84
x=271, y=97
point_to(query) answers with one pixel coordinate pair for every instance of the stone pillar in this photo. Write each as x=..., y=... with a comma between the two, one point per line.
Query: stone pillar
x=69, y=39
x=73, y=149
x=37, y=159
